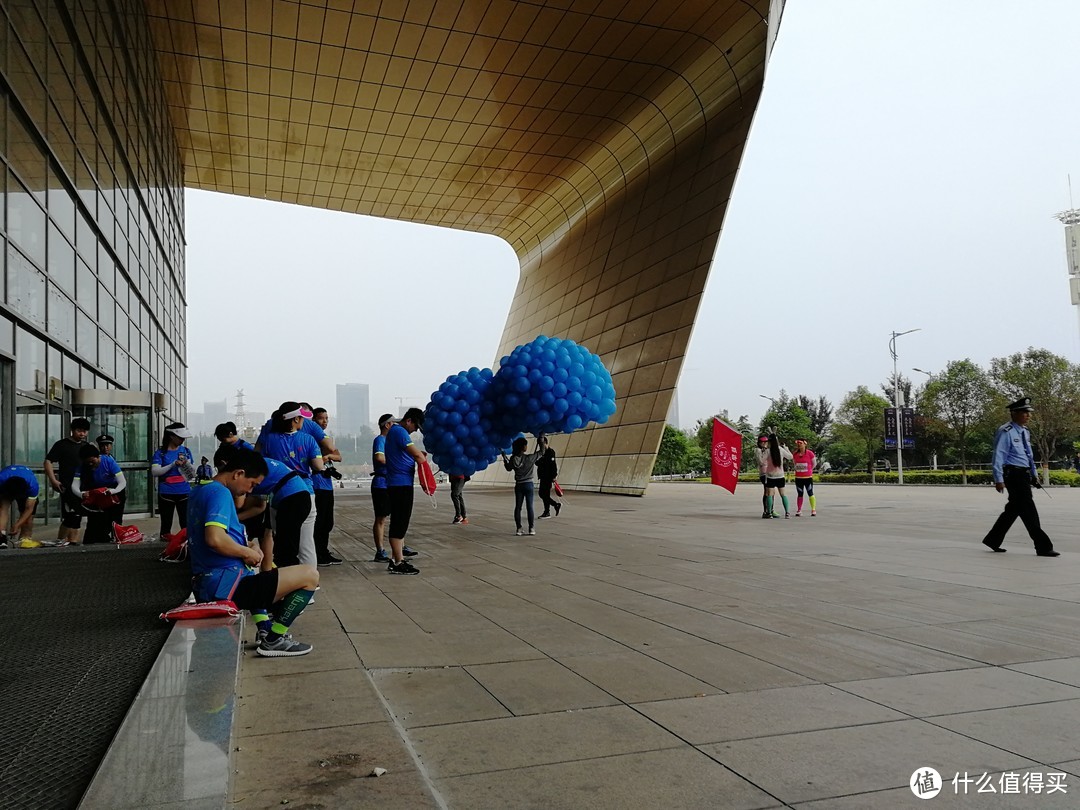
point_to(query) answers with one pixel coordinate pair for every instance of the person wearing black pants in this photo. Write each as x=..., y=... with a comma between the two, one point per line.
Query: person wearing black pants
x=323, y=484
x=1014, y=470
x=547, y=469
x=289, y=514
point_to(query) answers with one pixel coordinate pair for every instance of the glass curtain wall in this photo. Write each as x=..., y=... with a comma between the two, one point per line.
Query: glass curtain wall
x=91, y=219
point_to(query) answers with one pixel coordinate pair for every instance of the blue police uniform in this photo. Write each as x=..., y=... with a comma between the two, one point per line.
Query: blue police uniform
x=1014, y=467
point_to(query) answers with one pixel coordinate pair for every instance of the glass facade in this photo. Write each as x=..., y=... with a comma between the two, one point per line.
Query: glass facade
x=91, y=224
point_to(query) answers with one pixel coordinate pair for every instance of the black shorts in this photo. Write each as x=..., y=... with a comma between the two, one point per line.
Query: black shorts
x=764, y=481
x=775, y=483
x=257, y=591
x=71, y=510
x=401, y=500
x=380, y=500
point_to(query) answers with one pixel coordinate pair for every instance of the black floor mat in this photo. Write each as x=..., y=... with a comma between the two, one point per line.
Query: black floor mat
x=80, y=631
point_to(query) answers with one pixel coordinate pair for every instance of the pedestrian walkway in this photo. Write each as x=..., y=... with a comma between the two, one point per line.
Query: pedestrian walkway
x=677, y=651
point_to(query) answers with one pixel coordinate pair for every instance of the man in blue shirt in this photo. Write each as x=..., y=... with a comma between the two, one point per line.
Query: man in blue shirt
x=224, y=562
x=401, y=459
x=20, y=486
x=1014, y=470
x=323, y=484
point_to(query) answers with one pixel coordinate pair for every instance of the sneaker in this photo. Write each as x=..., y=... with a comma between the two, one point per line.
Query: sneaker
x=764, y=515
x=813, y=513
x=260, y=636
x=799, y=513
x=464, y=521
x=775, y=516
x=381, y=556
x=519, y=533
x=532, y=532
x=558, y=508
x=787, y=516
x=329, y=559
x=408, y=552
x=456, y=520
x=403, y=567
x=3, y=541
x=26, y=542
x=545, y=516
x=284, y=647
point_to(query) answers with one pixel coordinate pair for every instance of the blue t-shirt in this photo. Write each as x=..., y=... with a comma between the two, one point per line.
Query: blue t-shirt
x=294, y=450
x=103, y=475
x=309, y=427
x=173, y=482
x=320, y=482
x=400, y=466
x=275, y=472
x=19, y=482
x=212, y=505
x=240, y=444
x=379, y=472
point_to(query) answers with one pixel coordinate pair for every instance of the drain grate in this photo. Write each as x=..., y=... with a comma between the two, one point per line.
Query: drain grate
x=81, y=631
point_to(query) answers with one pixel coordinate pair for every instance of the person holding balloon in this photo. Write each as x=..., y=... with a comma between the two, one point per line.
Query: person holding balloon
x=523, y=465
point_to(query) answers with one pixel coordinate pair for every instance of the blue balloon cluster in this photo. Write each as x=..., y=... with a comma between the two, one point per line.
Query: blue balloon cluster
x=550, y=385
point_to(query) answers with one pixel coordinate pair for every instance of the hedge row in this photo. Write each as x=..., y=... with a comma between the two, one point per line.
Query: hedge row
x=1061, y=478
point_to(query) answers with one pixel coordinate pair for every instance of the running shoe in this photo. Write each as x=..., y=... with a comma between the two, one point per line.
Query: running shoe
x=519, y=533
x=403, y=567
x=558, y=508
x=408, y=552
x=26, y=542
x=545, y=516
x=464, y=522
x=329, y=559
x=381, y=556
x=284, y=647
x=532, y=532
x=456, y=520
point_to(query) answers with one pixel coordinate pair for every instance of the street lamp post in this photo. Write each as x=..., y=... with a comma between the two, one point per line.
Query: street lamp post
x=896, y=405
x=933, y=460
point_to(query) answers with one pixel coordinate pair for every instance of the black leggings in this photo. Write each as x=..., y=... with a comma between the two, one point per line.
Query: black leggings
x=545, y=495
x=290, y=514
x=166, y=504
x=324, y=521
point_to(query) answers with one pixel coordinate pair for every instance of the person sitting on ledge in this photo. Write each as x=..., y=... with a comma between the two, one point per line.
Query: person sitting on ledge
x=224, y=564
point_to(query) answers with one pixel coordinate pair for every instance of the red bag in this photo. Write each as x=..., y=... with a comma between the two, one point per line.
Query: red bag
x=557, y=488
x=176, y=549
x=126, y=535
x=100, y=499
x=202, y=610
x=426, y=476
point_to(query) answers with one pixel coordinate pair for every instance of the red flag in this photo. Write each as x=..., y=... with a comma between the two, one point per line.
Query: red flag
x=726, y=455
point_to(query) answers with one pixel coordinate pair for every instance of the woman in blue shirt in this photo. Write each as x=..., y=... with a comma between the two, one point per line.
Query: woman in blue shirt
x=293, y=518
x=99, y=472
x=174, y=467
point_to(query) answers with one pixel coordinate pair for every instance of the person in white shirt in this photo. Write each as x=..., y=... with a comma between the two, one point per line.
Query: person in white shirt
x=774, y=473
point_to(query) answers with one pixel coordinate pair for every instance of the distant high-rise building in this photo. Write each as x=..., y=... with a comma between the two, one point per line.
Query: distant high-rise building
x=353, y=409
x=214, y=413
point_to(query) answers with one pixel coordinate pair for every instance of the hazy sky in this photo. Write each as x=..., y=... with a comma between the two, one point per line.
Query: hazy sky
x=902, y=172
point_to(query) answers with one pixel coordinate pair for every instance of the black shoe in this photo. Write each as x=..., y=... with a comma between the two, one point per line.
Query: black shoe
x=1050, y=553
x=992, y=547
x=765, y=515
x=408, y=552
x=558, y=508
x=403, y=567
x=329, y=559
x=545, y=516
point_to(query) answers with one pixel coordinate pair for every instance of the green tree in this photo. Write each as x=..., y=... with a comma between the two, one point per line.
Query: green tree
x=790, y=420
x=959, y=397
x=819, y=411
x=862, y=415
x=673, y=455
x=1053, y=383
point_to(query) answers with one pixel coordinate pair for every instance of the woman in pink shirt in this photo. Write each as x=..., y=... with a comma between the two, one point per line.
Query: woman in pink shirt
x=804, y=476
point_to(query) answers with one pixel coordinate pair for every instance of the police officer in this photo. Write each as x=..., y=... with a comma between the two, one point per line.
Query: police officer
x=1014, y=470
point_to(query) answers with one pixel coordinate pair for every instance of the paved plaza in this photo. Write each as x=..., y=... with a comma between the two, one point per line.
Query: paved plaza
x=677, y=651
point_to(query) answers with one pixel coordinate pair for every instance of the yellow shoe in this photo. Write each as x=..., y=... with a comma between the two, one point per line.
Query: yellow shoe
x=27, y=542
